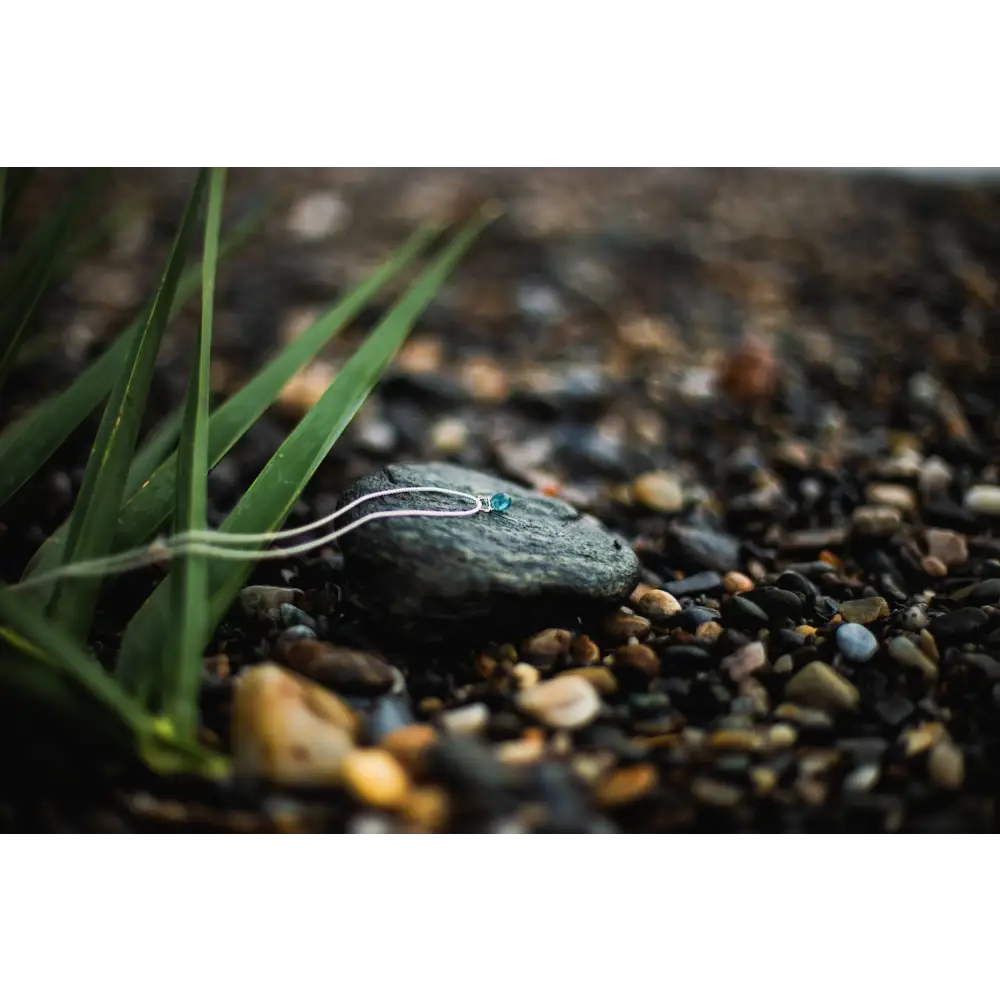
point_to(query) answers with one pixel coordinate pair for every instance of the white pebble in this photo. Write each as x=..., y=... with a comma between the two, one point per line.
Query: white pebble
x=983, y=499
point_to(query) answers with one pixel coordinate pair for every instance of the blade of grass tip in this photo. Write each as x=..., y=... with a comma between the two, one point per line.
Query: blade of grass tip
x=181, y=668
x=41, y=259
x=92, y=524
x=149, y=508
x=30, y=441
x=267, y=502
x=155, y=448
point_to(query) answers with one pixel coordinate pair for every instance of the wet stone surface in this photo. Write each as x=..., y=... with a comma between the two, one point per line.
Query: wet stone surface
x=434, y=577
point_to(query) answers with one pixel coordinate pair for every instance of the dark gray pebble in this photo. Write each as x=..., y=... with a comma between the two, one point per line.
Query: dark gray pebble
x=431, y=578
x=782, y=606
x=707, y=583
x=707, y=548
x=690, y=618
x=984, y=592
x=957, y=624
x=740, y=613
x=894, y=709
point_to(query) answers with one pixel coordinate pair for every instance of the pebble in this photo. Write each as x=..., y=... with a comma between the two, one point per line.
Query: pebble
x=265, y=602
x=736, y=583
x=710, y=631
x=467, y=720
x=288, y=730
x=562, y=703
x=745, y=661
x=375, y=777
x=713, y=550
x=740, y=613
x=433, y=579
x=980, y=594
x=957, y=624
x=949, y=547
x=935, y=477
x=425, y=808
x=708, y=582
x=877, y=521
x=946, y=766
x=410, y=745
x=318, y=215
x=856, y=642
x=863, y=778
x=583, y=651
x=602, y=679
x=621, y=626
x=658, y=606
x=818, y=685
x=389, y=714
x=659, y=491
x=914, y=618
x=639, y=658
x=892, y=495
x=906, y=652
x=933, y=566
x=547, y=646
x=524, y=675
x=347, y=671
x=306, y=388
x=864, y=610
x=983, y=500
x=624, y=786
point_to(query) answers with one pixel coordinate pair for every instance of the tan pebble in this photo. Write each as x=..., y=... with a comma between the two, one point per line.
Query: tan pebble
x=800, y=715
x=763, y=779
x=376, y=778
x=640, y=590
x=781, y=735
x=658, y=606
x=811, y=791
x=449, y=436
x=921, y=738
x=603, y=680
x=485, y=380
x=306, y=388
x=735, y=739
x=484, y=665
x=520, y=752
x=627, y=784
x=350, y=671
x=467, y=720
x=590, y=766
x=904, y=651
x=563, y=703
x=709, y=631
x=892, y=495
x=430, y=706
x=409, y=745
x=745, y=661
x=948, y=546
x=806, y=630
x=933, y=566
x=583, y=651
x=287, y=729
x=752, y=688
x=928, y=645
x=715, y=793
x=421, y=354
x=876, y=521
x=864, y=610
x=659, y=491
x=264, y=602
x=817, y=685
x=547, y=646
x=784, y=664
x=984, y=499
x=425, y=808
x=736, y=583
x=637, y=657
x=620, y=626
x=946, y=765
x=524, y=675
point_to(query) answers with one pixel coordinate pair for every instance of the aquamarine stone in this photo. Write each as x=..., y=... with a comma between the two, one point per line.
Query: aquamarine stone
x=499, y=501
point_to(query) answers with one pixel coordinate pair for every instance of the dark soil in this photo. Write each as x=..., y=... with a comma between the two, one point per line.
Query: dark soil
x=779, y=387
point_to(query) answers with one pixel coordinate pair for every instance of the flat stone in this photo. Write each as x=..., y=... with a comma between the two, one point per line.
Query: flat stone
x=818, y=685
x=864, y=610
x=432, y=577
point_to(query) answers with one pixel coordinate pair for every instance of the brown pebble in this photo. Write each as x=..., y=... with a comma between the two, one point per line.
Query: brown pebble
x=620, y=626
x=735, y=739
x=818, y=685
x=520, y=753
x=709, y=631
x=715, y=793
x=547, y=646
x=430, y=706
x=485, y=380
x=933, y=566
x=485, y=665
x=928, y=645
x=347, y=671
x=409, y=745
x=876, y=520
x=425, y=808
x=637, y=657
x=736, y=583
x=306, y=388
x=660, y=491
x=864, y=610
x=583, y=651
x=748, y=375
x=627, y=784
x=948, y=546
x=603, y=680
x=562, y=703
x=375, y=777
x=946, y=766
x=658, y=606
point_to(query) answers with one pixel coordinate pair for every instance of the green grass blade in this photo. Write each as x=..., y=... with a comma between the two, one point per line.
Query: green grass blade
x=92, y=525
x=145, y=512
x=155, y=448
x=267, y=502
x=189, y=579
x=33, y=267
x=30, y=441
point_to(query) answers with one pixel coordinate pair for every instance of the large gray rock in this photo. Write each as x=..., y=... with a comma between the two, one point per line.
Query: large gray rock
x=521, y=569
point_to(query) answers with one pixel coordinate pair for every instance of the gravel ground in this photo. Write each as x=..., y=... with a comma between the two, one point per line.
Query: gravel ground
x=773, y=391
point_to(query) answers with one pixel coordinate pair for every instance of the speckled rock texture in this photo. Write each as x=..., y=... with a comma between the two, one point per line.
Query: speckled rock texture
x=437, y=577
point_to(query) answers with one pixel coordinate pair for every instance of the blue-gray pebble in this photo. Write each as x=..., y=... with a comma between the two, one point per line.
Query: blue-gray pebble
x=856, y=642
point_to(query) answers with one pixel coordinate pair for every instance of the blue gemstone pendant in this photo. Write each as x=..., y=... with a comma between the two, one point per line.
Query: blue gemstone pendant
x=500, y=501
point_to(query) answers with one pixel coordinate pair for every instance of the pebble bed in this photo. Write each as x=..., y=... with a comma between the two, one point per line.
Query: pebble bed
x=749, y=577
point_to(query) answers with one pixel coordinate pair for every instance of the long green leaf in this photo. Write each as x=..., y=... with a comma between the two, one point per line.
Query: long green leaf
x=267, y=502
x=150, y=507
x=33, y=268
x=189, y=580
x=92, y=525
x=154, y=449
x=30, y=441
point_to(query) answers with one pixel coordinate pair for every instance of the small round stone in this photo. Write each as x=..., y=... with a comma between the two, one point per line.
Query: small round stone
x=375, y=777
x=659, y=491
x=467, y=720
x=983, y=499
x=946, y=765
x=856, y=642
x=563, y=703
x=500, y=501
x=736, y=583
